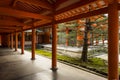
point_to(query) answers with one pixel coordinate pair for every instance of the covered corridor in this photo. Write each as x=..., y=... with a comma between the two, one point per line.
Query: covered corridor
x=16, y=16
x=14, y=66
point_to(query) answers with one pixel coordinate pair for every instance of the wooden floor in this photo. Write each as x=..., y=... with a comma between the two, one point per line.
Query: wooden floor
x=14, y=66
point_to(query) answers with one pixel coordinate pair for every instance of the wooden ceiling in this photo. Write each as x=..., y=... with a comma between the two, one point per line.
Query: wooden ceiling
x=17, y=15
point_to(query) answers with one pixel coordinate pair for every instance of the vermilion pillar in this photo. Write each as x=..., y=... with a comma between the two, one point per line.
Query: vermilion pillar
x=67, y=32
x=113, y=38
x=16, y=41
x=9, y=40
x=33, y=43
x=22, y=42
x=12, y=41
x=54, y=47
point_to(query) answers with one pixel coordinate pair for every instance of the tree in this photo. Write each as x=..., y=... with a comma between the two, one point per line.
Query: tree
x=85, y=45
x=88, y=28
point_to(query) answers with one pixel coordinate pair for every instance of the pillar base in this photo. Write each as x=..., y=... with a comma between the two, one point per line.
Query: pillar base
x=22, y=53
x=32, y=58
x=54, y=69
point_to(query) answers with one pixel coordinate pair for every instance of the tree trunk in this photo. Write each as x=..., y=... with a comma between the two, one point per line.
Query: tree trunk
x=92, y=38
x=85, y=45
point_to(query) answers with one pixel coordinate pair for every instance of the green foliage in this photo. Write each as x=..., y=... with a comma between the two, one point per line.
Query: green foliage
x=71, y=25
x=61, y=38
x=99, y=28
x=61, y=26
x=72, y=38
x=72, y=33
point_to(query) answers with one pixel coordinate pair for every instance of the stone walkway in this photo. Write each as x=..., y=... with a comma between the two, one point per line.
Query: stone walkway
x=14, y=66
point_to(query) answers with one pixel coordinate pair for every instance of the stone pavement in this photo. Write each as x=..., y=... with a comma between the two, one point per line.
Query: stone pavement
x=65, y=48
x=69, y=48
x=14, y=66
x=70, y=51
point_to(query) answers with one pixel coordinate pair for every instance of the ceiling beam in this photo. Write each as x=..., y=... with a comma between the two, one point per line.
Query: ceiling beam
x=75, y=5
x=9, y=30
x=40, y=3
x=14, y=3
x=84, y=15
x=118, y=6
x=11, y=23
x=10, y=27
x=21, y=14
x=4, y=28
x=58, y=2
x=106, y=2
x=37, y=24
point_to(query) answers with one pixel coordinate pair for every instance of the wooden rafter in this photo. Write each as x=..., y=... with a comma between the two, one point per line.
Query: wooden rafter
x=82, y=9
x=42, y=4
x=84, y=15
x=75, y=5
x=98, y=4
x=93, y=7
x=21, y=14
x=72, y=11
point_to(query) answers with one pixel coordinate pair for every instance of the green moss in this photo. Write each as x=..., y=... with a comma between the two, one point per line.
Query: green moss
x=97, y=61
x=44, y=53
